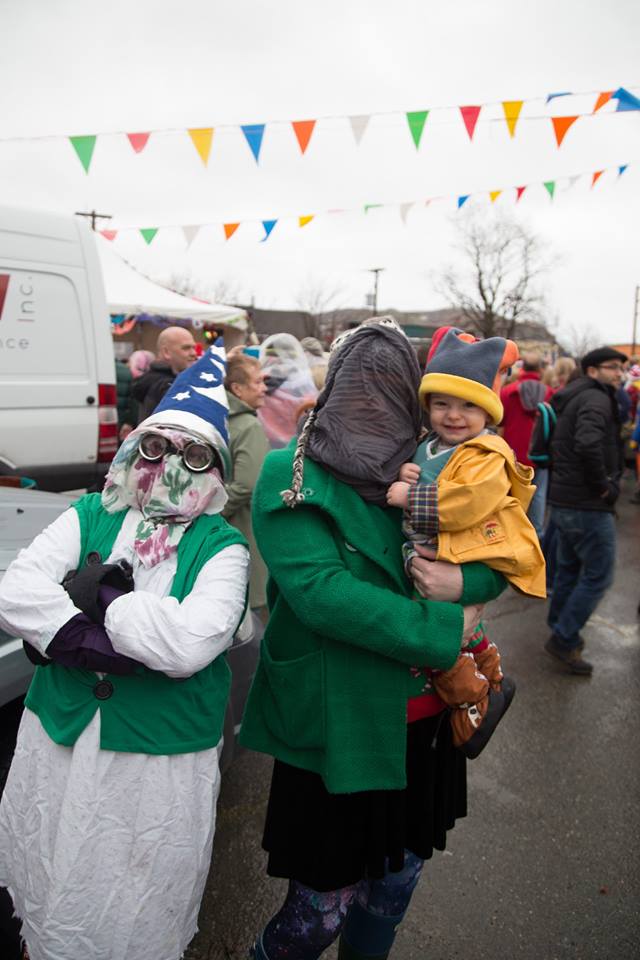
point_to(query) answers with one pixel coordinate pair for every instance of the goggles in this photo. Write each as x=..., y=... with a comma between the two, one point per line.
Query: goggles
x=197, y=456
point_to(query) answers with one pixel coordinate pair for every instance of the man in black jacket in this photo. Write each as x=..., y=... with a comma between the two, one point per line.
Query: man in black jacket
x=587, y=463
x=176, y=350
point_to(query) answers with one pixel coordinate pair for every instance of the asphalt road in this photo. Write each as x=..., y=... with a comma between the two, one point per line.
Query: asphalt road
x=547, y=864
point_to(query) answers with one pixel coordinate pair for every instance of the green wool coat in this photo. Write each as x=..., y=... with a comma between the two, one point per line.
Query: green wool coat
x=331, y=688
x=249, y=446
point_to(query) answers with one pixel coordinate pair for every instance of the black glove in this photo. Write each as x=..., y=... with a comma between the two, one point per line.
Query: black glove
x=83, y=586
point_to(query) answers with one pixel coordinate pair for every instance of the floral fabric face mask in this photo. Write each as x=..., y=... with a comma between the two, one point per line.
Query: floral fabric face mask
x=168, y=496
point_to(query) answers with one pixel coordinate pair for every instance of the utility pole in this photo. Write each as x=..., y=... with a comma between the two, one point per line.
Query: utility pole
x=374, y=297
x=635, y=321
x=94, y=216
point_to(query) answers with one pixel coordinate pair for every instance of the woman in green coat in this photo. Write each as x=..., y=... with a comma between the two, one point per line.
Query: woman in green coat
x=359, y=797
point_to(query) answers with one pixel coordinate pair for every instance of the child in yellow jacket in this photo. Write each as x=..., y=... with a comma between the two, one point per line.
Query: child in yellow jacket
x=465, y=498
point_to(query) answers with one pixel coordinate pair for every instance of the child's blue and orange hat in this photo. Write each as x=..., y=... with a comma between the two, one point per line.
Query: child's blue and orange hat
x=462, y=366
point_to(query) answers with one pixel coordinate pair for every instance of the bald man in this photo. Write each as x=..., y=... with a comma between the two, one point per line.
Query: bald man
x=175, y=350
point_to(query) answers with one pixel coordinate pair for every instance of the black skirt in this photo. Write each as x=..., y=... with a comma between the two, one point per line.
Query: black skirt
x=327, y=841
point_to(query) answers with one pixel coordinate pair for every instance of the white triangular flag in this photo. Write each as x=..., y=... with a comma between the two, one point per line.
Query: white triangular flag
x=359, y=124
x=190, y=233
x=404, y=210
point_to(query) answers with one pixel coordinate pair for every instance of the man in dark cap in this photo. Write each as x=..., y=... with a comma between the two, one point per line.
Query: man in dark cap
x=587, y=463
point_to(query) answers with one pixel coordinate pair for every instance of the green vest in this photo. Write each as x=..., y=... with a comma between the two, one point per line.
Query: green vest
x=146, y=712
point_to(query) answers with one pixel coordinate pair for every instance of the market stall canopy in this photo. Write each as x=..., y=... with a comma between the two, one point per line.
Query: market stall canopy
x=131, y=294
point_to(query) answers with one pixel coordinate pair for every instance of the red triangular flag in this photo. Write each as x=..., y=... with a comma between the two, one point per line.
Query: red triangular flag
x=109, y=234
x=560, y=127
x=470, y=116
x=519, y=192
x=138, y=141
x=230, y=229
x=602, y=99
x=596, y=177
x=303, y=130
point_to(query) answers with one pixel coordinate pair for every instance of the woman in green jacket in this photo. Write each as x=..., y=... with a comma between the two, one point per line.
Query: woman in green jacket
x=359, y=798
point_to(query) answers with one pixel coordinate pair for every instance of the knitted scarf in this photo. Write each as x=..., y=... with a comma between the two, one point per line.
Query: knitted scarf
x=367, y=419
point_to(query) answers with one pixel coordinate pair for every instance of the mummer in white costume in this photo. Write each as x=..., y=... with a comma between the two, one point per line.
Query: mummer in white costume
x=128, y=602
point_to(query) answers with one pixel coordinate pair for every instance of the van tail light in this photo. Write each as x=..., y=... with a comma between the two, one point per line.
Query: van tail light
x=107, y=422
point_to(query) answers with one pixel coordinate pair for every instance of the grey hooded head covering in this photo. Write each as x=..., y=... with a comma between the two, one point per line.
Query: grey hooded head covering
x=367, y=419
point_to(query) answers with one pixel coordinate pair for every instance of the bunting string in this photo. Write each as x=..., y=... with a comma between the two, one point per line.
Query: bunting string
x=229, y=228
x=509, y=113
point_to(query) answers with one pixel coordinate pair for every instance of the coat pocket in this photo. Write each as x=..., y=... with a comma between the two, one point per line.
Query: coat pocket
x=478, y=539
x=293, y=704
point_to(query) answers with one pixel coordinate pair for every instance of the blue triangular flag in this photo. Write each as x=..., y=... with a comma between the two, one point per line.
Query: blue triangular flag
x=622, y=169
x=268, y=227
x=552, y=96
x=254, y=133
x=626, y=100
x=463, y=200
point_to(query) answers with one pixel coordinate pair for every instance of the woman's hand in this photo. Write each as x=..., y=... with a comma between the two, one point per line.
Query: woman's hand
x=472, y=615
x=437, y=579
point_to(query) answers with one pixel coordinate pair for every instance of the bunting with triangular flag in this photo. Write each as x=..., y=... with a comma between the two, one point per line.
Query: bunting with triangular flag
x=138, y=141
x=622, y=169
x=550, y=187
x=462, y=200
x=602, y=99
x=371, y=206
x=519, y=192
x=230, y=229
x=268, y=227
x=494, y=194
x=148, y=233
x=359, y=124
x=108, y=234
x=511, y=110
x=303, y=130
x=190, y=233
x=202, y=138
x=404, y=211
x=416, y=120
x=553, y=96
x=254, y=133
x=596, y=176
x=626, y=100
x=84, y=147
x=470, y=117
x=303, y=221
x=560, y=127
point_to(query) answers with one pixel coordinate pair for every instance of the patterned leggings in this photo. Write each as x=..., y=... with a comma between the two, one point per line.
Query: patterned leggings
x=367, y=912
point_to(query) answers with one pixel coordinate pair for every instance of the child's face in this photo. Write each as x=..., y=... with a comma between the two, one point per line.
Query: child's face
x=456, y=420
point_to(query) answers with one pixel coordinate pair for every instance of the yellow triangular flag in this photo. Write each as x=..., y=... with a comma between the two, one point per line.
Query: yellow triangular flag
x=202, y=138
x=494, y=194
x=512, y=110
x=303, y=221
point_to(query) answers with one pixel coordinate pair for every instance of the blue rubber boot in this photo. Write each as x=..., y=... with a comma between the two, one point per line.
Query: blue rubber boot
x=257, y=951
x=367, y=936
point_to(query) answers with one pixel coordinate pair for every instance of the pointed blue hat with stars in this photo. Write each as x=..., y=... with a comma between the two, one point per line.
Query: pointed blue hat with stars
x=197, y=403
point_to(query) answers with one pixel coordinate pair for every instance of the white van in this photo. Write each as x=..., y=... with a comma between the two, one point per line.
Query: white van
x=58, y=415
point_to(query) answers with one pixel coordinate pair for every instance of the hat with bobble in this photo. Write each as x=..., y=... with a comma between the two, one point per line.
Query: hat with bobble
x=197, y=403
x=462, y=366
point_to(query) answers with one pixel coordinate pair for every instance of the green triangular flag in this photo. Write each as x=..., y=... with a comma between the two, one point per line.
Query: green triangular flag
x=551, y=186
x=83, y=146
x=149, y=233
x=416, y=121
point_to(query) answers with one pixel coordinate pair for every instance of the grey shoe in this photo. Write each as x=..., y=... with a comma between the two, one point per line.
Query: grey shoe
x=571, y=657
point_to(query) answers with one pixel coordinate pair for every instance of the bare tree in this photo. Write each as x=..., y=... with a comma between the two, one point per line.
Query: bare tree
x=499, y=284
x=218, y=291
x=317, y=295
x=579, y=340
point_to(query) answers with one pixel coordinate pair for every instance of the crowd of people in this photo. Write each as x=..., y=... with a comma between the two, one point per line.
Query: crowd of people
x=385, y=505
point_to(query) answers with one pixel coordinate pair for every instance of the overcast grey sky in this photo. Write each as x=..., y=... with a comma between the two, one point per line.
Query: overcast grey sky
x=72, y=67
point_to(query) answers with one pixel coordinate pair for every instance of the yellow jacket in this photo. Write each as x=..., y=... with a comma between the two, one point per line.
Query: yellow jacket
x=483, y=495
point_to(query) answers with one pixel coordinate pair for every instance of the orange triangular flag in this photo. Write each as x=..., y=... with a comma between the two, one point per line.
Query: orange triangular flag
x=494, y=194
x=202, y=138
x=561, y=125
x=303, y=130
x=602, y=99
x=303, y=221
x=230, y=229
x=596, y=177
x=512, y=110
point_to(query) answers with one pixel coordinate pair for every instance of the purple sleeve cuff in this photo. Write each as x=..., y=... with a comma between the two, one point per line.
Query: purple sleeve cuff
x=423, y=508
x=84, y=644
